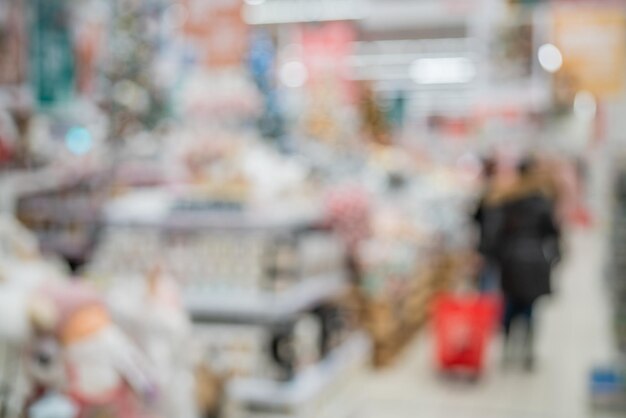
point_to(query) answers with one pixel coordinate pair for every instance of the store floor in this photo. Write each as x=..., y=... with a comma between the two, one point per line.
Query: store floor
x=574, y=334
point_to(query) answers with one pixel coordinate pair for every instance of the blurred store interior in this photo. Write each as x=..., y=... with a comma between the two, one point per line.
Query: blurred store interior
x=312, y=208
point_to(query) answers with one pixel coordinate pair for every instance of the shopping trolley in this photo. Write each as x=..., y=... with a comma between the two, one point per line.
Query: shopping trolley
x=463, y=326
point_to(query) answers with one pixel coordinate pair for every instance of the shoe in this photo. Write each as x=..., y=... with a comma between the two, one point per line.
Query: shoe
x=529, y=363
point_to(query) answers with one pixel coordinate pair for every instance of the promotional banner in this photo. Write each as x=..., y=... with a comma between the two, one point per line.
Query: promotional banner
x=217, y=31
x=593, y=43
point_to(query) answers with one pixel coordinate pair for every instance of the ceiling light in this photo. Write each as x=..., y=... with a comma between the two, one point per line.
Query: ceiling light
x=550, y=58
x=443, y=70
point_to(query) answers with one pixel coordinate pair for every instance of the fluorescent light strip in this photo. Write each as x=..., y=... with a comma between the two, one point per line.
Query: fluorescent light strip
x=281, y=11
x=457, y=70
x=405, y=46
x=369, y=60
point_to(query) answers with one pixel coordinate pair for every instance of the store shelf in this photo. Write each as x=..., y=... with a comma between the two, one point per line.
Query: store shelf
x=156, y=208
x=146, y=207
x=275, y=219
x=281, y=396
x=264, y=307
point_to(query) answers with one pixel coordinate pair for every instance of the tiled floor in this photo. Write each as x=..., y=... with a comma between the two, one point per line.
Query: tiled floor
x=574, y=334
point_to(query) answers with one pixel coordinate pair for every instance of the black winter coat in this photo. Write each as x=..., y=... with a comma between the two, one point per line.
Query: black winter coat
x=488, y=218
x=525, y=246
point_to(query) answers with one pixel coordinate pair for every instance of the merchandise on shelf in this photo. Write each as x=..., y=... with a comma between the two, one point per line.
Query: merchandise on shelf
x=22, y=269
x=376, y=126
x=151, y=310
x=396, y=289
x=416, y=250
x=348, y=212
x=66, y=349
x=64, y=345
x=77, y=352
x=243, y=253
x=136, y=99
x=259, y=269
x=64, y=216
x=265, y=287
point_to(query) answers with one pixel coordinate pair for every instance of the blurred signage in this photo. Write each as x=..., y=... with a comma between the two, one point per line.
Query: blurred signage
x=52, y=52
x=593, y=43
x=326, y=49
x=217, y=31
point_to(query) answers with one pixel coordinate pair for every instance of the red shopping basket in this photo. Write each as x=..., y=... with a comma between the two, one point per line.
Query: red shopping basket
x=463, y=326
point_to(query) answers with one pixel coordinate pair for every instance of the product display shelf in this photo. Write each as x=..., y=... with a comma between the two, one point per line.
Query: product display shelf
x=64, y=214
x=264, y=287
x=31, y=182
x=302, y=396
x=265, y=306
x=608, y=382
x=157, y=208
x=393, y=326
x=214, y=252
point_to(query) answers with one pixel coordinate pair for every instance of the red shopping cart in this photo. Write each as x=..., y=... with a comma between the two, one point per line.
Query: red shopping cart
x=463, y=326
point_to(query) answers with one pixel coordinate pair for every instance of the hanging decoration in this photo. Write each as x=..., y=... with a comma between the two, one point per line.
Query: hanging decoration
x=52, y=57
x=262, y=64
x=137, y=101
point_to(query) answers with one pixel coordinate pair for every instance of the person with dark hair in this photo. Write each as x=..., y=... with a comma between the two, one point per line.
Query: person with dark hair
x=486, y=218
x=526, y=231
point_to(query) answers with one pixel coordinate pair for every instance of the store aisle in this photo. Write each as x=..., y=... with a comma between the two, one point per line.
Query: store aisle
x=574, y=334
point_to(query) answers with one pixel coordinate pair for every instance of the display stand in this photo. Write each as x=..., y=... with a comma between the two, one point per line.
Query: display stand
x=394, y=321
x=265, y=307
x=608, y=384
x=302, y=396
x=62, y=208
x=250, y=280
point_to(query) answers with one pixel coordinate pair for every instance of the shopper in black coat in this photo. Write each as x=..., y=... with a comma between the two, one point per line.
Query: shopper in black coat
x=487, y=218
x=526, y=242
